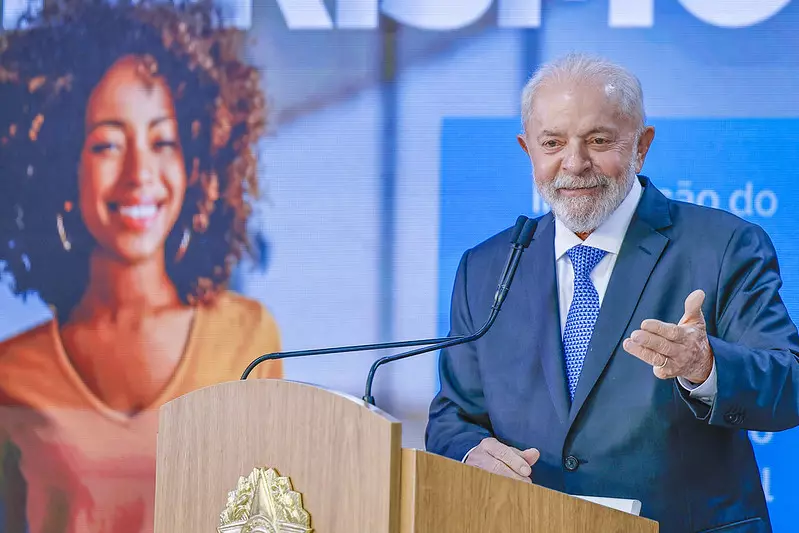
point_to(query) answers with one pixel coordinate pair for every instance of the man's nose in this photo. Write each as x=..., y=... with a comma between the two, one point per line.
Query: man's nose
x=576, y=159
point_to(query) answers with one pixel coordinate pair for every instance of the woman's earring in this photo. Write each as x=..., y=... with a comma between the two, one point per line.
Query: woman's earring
x=184, y=244
x=62, y=232
x=59, y=220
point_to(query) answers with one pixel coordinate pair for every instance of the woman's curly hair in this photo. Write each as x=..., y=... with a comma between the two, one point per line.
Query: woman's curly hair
x=48, y=70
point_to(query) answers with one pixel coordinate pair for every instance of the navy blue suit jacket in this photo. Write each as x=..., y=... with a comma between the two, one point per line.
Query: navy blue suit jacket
x=628, y=434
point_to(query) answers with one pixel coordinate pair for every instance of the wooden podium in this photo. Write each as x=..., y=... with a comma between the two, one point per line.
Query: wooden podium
x=302, y=447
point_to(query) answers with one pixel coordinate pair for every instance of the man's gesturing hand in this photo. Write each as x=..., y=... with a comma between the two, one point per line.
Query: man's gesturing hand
x=676, y=350
x=497, y=458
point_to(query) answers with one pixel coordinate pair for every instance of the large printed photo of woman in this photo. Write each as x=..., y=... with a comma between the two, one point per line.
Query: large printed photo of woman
x=128, y=136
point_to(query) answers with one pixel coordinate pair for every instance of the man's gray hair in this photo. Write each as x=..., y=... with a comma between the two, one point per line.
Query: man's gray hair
x=618, y=82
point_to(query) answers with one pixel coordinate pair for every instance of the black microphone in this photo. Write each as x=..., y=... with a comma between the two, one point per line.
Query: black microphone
x=518, y=234
x=520, y=243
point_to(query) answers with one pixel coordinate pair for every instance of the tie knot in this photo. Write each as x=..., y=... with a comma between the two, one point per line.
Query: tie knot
x=584, y=259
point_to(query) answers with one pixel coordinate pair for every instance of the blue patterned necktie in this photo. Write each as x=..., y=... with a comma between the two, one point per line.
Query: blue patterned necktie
x=583, y=311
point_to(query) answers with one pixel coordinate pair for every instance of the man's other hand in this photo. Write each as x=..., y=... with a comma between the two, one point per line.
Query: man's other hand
x=495, y=457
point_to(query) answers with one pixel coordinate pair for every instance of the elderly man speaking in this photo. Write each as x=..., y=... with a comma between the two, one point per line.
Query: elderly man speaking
x=642, y=338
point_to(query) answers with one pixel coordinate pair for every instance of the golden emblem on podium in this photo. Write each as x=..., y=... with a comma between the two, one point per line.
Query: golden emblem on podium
x=264, y=502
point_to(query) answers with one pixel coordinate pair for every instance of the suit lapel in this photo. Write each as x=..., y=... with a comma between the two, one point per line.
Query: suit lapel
x=538, y=276
x=640, y=252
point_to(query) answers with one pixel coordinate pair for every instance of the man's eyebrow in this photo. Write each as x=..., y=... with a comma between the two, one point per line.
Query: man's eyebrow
x=549, y=133
x=601, y=129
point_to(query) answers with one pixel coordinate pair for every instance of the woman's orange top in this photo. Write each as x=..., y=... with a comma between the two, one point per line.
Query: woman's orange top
x=86, y=467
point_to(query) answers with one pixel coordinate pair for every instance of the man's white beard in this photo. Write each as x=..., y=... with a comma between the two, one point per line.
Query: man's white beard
x=584, y=214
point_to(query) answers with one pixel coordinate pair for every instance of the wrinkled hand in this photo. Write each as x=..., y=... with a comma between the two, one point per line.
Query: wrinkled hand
x=676, y=350
x=497, y=458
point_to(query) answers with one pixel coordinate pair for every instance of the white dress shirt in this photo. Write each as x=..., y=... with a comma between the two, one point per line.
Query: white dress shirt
x=609, y=237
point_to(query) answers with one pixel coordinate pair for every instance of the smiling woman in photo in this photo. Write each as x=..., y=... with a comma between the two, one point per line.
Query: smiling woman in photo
x=127, y=164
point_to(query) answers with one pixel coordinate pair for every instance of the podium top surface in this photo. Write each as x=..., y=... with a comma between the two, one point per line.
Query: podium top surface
x=281, y=386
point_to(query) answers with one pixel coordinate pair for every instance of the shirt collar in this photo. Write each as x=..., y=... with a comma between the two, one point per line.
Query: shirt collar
x=609, y=235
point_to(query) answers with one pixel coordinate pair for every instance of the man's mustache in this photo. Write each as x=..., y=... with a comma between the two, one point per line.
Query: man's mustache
x=570, y=181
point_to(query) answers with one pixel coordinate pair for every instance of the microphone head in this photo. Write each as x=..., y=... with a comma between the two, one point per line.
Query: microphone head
x=526, y=235
x=517, y=229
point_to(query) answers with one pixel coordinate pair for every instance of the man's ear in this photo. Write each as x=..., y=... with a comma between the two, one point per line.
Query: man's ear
x=644, y=142
x=523, y=143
